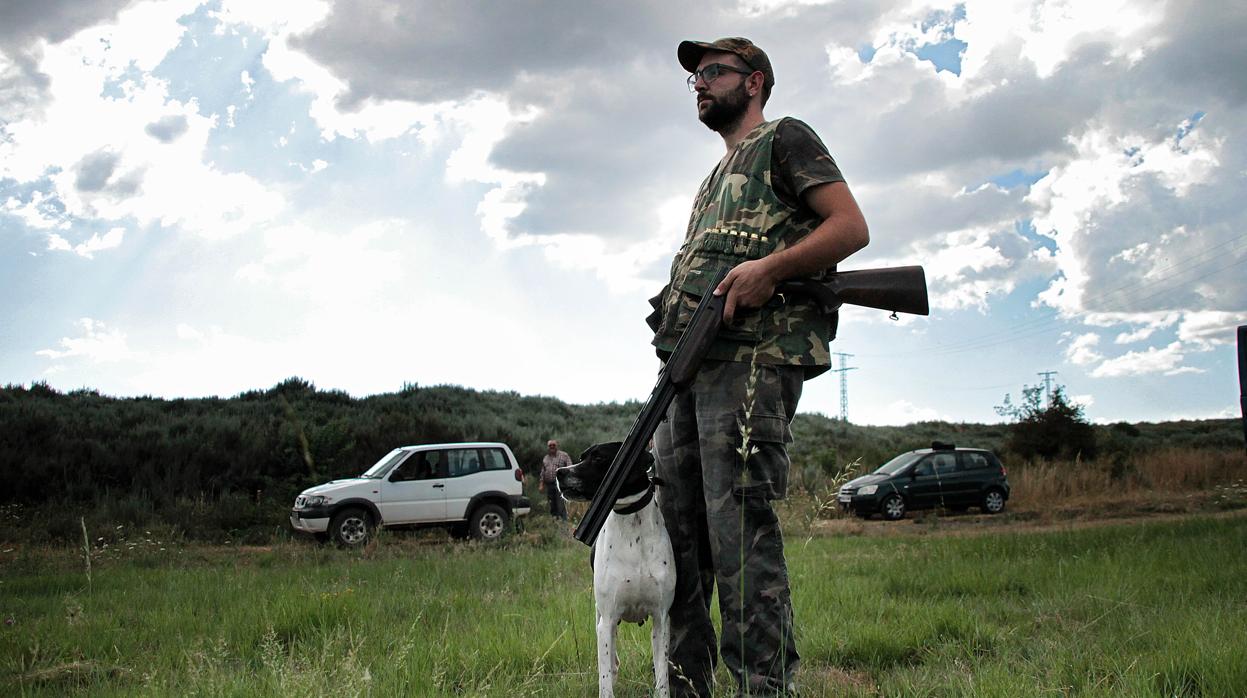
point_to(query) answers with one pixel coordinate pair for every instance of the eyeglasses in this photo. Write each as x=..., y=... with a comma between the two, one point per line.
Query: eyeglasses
x=712, y=71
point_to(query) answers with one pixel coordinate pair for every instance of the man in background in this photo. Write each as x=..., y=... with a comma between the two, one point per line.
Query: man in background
x=552, y=461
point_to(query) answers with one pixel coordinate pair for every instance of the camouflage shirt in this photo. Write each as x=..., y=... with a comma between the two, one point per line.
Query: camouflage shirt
x=749, y=207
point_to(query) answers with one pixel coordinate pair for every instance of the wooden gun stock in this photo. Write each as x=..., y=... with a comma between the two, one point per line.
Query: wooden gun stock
x=899, y=289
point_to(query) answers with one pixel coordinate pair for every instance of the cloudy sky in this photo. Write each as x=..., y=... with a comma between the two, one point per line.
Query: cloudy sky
x=201, y=198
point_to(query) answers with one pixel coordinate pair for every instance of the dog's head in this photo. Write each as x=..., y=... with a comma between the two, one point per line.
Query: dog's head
x=581, y=481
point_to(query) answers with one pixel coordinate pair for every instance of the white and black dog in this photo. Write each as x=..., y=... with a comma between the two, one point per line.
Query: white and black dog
x=633, y=566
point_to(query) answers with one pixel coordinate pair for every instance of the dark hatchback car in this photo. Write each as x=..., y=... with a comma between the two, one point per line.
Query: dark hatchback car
x=941, y=476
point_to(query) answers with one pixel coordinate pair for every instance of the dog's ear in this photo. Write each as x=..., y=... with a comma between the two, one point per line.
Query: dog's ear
x=605, y=451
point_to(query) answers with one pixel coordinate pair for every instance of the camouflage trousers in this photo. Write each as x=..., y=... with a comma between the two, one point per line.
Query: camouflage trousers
x=723, y=530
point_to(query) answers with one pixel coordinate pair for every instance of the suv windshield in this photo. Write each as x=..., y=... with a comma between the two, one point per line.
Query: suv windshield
x=898, y=463
x=381, y=466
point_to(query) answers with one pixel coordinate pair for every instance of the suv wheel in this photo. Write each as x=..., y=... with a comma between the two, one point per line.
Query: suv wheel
x=488, y=522
x=350, y=527
x=994, y=501
x=893, y=507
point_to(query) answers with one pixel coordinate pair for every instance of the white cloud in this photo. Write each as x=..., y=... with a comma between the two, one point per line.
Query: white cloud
x=1207, y=328
x=373, y=119
x=1150, y=324
x=1083, y=401
x=1081, y=351
x=288, y=16
x=1046, y=34
x=97, y=344
x=115, y=169
x=1166, y=360
x=88, y=249
x=40, y=212
x=329, y=266
x=188, y=332
x=1104, y=176
x=901, y=412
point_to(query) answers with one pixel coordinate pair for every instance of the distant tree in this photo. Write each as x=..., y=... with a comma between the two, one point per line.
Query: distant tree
x=1060, y=430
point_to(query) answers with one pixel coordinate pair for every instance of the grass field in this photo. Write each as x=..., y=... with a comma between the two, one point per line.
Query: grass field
x=1147, y=609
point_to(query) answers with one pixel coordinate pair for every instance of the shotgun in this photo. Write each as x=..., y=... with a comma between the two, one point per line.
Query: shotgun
x=899, y=289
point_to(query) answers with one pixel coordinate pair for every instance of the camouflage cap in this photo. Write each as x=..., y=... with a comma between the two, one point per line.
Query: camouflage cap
x=690, y=53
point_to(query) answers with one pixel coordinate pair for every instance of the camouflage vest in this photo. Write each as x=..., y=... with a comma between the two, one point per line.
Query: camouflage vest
x=738, y=217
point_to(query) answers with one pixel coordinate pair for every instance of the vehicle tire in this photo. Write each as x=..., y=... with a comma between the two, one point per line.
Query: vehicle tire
x=993, y=501
x=488, y=522
x=351, y=528
x=893, y=507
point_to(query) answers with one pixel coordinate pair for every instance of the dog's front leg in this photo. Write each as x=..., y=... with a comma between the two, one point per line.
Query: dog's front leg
x=660, y=641
x=608, y=667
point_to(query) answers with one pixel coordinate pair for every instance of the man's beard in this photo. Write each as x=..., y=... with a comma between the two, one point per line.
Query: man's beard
x=725, y=112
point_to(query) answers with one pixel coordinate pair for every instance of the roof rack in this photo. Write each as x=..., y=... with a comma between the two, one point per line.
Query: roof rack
x=942, y=446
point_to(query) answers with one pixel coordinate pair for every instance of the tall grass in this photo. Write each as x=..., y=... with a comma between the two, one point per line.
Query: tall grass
x=1139, y=610
x=1165, y=472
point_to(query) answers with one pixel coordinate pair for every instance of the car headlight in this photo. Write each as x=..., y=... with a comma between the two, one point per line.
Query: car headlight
x=868, y=489
x=317, y=500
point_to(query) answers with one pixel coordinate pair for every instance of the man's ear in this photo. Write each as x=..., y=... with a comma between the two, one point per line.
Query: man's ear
x=754, y=82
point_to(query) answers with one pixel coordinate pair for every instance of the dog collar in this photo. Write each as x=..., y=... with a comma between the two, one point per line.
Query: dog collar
x=642, y=502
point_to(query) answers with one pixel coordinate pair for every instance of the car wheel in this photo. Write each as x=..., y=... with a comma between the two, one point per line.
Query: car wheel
x=489, y=522
x=994, y=501
x=351, y=528
x=893, y=507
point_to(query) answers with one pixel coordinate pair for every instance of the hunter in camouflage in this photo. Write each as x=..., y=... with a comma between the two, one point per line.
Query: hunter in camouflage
x=775, y=208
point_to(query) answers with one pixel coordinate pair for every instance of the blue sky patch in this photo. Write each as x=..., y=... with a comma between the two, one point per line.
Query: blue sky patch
x=945, y=55
x=1017, y=178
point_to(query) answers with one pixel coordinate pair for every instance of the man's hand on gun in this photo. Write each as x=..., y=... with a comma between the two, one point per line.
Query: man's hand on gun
x=748, y=285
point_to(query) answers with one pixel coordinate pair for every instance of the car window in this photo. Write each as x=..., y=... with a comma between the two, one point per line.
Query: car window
x=495, y=459
x=974, y=461
x=381, y=467
x=897, y=464
x=924, y=468
x=944, y=463
x=424, y=465
x=463, y=461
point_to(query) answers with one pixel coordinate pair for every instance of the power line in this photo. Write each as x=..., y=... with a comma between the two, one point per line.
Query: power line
x=1047, y=385
x=844, y=383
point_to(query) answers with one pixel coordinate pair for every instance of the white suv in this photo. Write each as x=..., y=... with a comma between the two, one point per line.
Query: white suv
x=475, y=488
